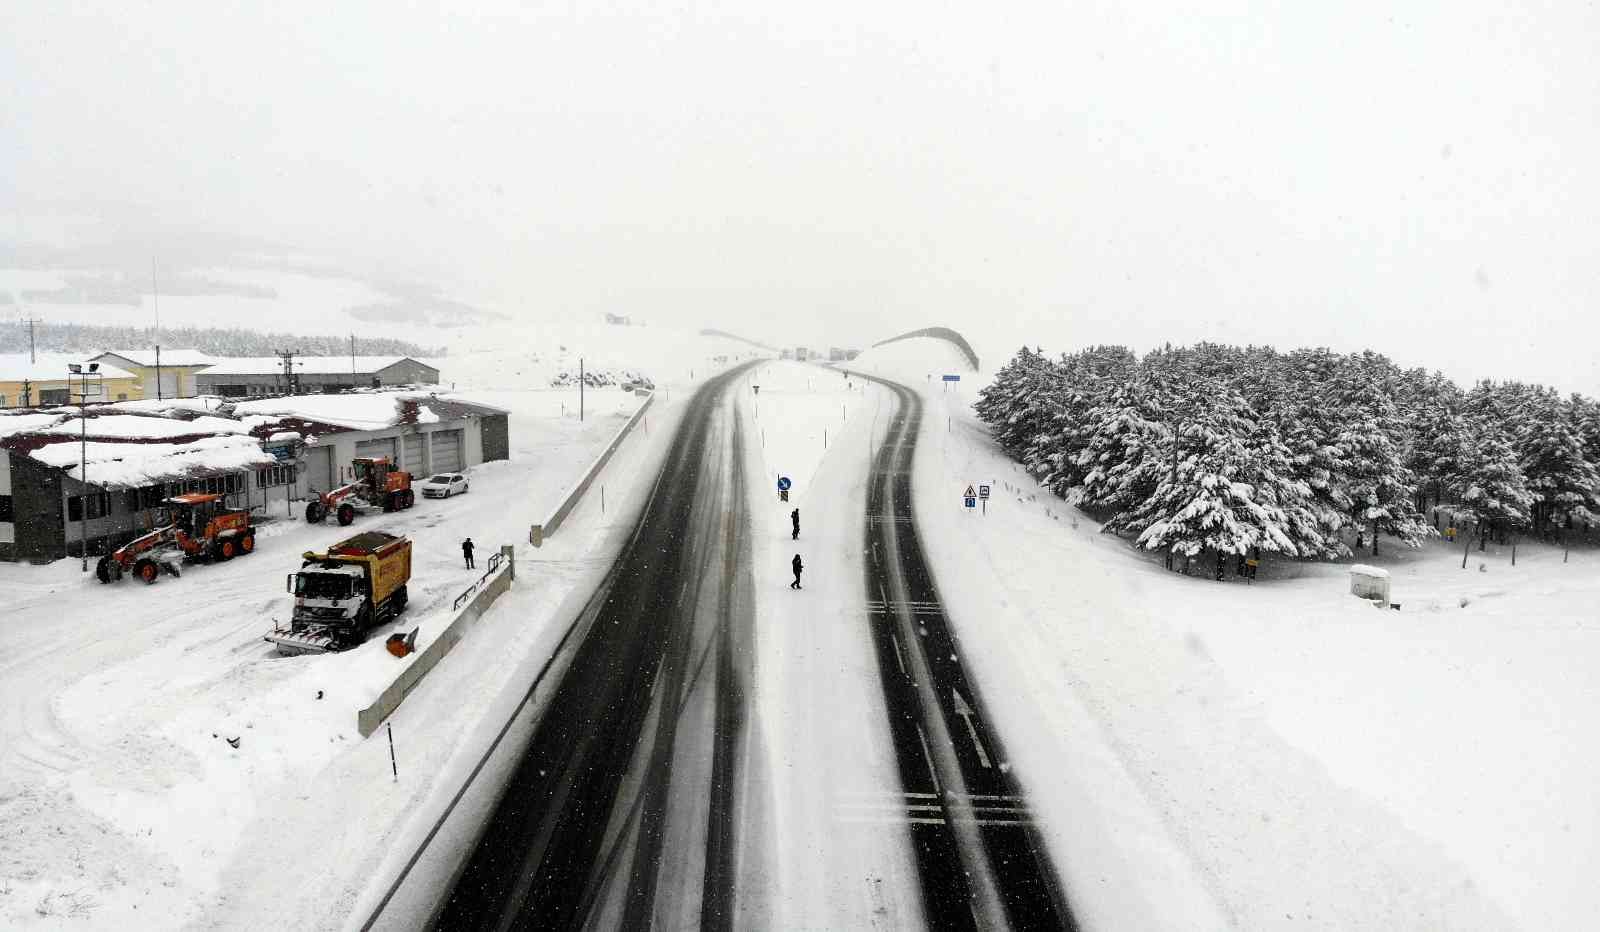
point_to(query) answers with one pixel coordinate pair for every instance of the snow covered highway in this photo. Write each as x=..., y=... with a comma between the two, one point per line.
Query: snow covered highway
x=616, y=816
x=981, y=862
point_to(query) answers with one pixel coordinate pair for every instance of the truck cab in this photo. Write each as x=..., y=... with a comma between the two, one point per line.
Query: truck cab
x=359, y=583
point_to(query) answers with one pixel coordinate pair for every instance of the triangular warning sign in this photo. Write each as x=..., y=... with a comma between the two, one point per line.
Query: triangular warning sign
x=970, y=493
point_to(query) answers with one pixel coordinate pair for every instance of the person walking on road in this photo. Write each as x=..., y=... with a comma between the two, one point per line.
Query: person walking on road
x=466, y=553
x=798, y=566
x=794, y=516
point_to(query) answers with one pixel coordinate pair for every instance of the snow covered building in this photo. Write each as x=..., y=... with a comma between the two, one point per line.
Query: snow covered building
x=169, y=375
x=422, y=434
x=246, y=377
x=42, y=380
x=264, y=455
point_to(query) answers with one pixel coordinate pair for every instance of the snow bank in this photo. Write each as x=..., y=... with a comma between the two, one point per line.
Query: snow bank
x=919, y=361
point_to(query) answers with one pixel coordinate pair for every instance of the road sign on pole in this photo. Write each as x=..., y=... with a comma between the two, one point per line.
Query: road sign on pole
x=969, y=493
x=784, y=484
x=971, y=502
x=952, y=378
x=983, y=491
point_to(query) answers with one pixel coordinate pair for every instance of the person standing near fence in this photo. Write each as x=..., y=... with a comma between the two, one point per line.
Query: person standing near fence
x=466, y=553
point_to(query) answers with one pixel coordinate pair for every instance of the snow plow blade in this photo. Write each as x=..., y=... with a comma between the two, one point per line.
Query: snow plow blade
x=311, y=641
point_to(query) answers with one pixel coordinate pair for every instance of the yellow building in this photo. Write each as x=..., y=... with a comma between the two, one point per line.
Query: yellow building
x=177, y=370
x=42, y=380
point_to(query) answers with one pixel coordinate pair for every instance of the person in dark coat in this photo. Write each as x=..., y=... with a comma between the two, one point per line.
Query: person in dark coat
x=794, y=516
x=798, y=566
x=466, y=553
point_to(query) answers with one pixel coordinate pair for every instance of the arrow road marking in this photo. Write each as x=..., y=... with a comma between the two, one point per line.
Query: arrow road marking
x=965, y=711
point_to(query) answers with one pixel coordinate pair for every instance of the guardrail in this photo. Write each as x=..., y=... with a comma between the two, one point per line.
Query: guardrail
x=502, y=570
x=539, y=532
x=494, y=564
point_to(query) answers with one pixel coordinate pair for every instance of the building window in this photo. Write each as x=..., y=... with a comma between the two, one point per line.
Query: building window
x=5, y=508
x=275, y=475
x=99, y=506
x=53, y=396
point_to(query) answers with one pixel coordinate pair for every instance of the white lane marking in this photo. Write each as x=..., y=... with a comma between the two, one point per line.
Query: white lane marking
x=898, y=659
x=965, y=711
x=927, y=756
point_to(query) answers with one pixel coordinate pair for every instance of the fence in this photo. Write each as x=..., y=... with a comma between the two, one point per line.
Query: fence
x=494, y=564
x=484, y=592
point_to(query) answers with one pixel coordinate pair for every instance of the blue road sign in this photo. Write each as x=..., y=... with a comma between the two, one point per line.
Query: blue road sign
x=784, y=484
x=952, y=378
x=972, y=502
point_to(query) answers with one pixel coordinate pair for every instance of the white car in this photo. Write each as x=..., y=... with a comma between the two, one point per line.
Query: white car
x=444, y=485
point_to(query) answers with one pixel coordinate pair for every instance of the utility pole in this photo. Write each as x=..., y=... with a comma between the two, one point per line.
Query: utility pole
x=352, y=360
x=155, y=301
x=580, y=388
x=288, y=370
x=33, y=352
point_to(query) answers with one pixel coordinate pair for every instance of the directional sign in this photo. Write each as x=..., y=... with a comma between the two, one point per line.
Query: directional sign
x=971, y=502
x=784, y=484
x=983, y=491
x=952, y=378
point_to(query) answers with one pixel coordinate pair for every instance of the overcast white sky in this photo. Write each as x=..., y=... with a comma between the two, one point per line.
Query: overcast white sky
x=1420, y=178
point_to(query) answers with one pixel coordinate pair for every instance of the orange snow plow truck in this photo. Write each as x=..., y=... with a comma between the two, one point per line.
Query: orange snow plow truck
x=340, y=595
x=199, y=527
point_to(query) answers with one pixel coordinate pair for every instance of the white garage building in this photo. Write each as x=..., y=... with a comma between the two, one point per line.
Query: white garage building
x=319, y=435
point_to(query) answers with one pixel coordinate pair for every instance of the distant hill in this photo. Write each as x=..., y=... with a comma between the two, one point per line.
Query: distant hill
x=83, y=338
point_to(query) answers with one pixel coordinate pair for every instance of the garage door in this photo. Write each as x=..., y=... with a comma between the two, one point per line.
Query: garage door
x=169, y=383
x=447, y=451
x=319, y=468
x=412, y=462
x=384, y=446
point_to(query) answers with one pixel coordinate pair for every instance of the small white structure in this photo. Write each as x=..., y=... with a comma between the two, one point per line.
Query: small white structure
x=1370, y=582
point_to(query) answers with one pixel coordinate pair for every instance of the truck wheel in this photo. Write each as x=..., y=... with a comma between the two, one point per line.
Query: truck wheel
x=226, y=549
x=399, y=599
x=102, y=570
x=391, y=502
x=147, y=570
x=315, y=513
x=408, y=498
x=247, y=543
x=347, y=514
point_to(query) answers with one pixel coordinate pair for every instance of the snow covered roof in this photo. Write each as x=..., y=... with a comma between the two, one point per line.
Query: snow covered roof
x=14, y=367
x=169, y=357
x=365, y=410
x=356, y=411
x=306, y=365
x=28, y=421
x=131, y=464
x=138, y=427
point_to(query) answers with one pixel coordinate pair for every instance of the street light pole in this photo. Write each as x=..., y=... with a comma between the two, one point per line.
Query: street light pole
x=83, y=455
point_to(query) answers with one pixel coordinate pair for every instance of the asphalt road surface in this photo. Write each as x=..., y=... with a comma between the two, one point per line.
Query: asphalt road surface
x=627, y=808
x=981, y=862
x=617, y=817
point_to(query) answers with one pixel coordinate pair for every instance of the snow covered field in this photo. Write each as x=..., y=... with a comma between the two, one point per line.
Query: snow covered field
x=1280, y=754
x=123, y=805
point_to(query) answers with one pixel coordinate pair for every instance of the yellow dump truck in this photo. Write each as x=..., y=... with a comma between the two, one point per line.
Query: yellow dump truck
x=340, y=595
